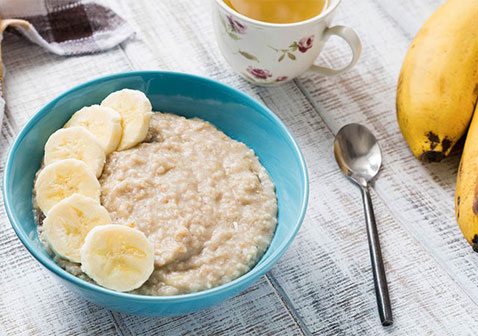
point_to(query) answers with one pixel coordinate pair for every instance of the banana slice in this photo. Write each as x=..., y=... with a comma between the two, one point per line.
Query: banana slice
x=75, y=143
x=62, y=179
x=103, y=122
x=135, y=110
x=117, y=257
x=68, y=223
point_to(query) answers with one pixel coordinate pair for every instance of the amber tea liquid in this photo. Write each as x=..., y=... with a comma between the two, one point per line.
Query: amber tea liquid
x=278, y=11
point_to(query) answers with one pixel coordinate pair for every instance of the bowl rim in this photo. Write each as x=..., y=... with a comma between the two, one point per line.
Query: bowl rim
x=259, y=269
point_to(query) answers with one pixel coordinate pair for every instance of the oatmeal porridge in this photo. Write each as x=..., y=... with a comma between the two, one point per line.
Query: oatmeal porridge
x=202, y=199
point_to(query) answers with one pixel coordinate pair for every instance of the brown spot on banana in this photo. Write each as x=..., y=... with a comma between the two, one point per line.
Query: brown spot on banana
x=475, y=199
x=445, y=145
x=434, y=139
x=475, y=206
x=458, y=199
x=436, y=155
x=475, y=243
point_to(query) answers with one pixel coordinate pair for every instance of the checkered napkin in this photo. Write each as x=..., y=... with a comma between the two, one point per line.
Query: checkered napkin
x=63, y=27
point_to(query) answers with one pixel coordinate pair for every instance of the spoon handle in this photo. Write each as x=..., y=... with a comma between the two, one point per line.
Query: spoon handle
x=379, y=278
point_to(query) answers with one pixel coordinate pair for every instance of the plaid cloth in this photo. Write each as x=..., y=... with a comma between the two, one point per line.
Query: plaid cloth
x=63, y=27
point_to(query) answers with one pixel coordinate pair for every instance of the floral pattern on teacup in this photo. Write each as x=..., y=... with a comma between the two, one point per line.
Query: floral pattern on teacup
x=259, y=73
x=249, y=56
x=303, y=45
x=262, y=76
x=233, y=27
x=236, y=26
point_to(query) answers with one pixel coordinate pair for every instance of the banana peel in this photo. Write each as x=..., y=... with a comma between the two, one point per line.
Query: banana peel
x=438, y=83
x=466, y=194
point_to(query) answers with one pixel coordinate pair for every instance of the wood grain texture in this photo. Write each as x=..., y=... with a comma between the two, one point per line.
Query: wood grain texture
x=323, y=284
x=332, y=286
x=419, y=196
x=256, y=311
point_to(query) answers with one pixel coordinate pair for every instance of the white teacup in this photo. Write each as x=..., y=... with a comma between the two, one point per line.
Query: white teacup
x=269, y=54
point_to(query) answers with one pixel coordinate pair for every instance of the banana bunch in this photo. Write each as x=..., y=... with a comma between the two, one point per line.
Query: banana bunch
x=436, y=98
x=77, y=227
x=438, y=84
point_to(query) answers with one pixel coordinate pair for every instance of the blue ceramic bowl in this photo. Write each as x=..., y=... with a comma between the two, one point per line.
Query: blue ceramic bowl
x=233, y=112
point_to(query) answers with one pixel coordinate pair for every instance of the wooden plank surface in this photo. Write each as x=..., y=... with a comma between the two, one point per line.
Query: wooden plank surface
x=420, y=196
x=323, y=284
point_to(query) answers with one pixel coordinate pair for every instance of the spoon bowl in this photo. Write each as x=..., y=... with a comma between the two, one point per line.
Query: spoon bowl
x=357, y=153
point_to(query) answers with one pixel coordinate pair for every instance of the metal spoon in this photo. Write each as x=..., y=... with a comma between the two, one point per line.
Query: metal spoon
x=358, y=155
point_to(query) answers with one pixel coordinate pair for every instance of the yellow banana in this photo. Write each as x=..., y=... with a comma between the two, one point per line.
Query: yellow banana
x=466, y=195
x=438, y=84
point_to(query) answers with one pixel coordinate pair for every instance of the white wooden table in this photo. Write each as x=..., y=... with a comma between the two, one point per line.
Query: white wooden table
x=323, y=284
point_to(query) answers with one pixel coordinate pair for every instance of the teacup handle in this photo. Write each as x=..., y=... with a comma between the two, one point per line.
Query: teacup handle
x=350, y=36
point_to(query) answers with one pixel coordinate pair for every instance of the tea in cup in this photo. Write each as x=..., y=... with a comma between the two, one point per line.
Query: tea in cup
x=278, y=48
x=278, y=11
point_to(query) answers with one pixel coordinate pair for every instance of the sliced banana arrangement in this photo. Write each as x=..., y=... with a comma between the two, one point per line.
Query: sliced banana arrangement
x=135, y=110
x=103, y=122
x=75, y=143
x=68, y=223
x=77, y=227
x=62, y=179
x=117, y=257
